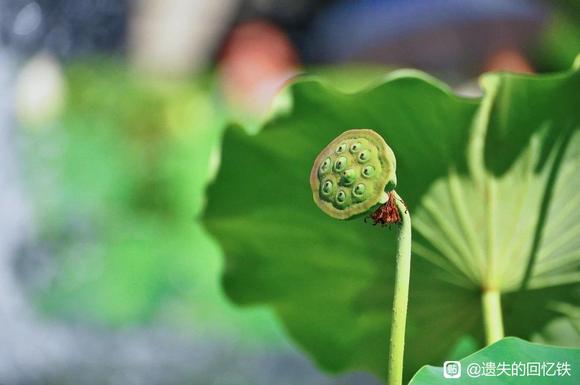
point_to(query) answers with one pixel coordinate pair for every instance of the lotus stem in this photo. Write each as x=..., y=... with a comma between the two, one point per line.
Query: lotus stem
x=492, y=315
x=401, y=296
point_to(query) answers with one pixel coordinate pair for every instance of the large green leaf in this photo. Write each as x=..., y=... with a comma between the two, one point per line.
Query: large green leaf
x=488, y=182
x=510, y=361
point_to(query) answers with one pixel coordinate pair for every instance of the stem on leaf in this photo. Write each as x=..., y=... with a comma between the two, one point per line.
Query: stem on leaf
x=401, y=296
x=492, y=315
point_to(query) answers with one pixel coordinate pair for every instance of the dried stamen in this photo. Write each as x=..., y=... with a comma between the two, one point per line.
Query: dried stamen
x=388, y=213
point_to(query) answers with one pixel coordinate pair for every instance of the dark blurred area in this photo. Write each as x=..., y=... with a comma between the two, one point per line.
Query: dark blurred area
x=111, y=113
x=442, y=36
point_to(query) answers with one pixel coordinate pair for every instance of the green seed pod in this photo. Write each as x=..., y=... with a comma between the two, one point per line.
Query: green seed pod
x=362, y=162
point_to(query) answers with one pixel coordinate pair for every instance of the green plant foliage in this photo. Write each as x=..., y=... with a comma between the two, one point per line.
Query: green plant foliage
x=491, y=186
x=559, y=41
x=510, y=361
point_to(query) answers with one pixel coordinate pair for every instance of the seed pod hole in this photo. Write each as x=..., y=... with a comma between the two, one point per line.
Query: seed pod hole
x=325, y=166
x=340, y=164
x=359, y=190
x=341, y=197
x=355, y=147
x=364, y=156
x=340, y=149
x=368, y=171
x=348, y=177
x=327, y=187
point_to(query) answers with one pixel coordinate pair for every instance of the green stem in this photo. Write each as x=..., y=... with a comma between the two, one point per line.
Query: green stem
x=492, y=315
x=401, y=296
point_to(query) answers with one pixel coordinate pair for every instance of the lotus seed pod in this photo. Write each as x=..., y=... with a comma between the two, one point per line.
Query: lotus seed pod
x=352, y=173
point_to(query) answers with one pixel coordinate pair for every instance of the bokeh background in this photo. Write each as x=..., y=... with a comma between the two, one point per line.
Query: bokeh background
x=111, y=113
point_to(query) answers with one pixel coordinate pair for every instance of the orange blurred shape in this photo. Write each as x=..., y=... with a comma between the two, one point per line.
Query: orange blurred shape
x=510, y=60
x=255, y=62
